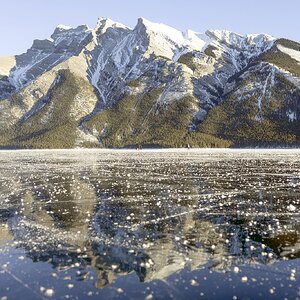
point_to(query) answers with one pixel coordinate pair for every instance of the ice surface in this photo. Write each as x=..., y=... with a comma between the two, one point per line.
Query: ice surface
x=75, y=221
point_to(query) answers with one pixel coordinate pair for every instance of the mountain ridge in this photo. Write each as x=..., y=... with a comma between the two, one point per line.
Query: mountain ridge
x=150, y=85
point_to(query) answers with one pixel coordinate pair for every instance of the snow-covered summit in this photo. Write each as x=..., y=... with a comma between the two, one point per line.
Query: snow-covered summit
x=161, y=29
x=232, y=38
x=104, y=23
x=70, y=31
x=259, y=38
x=63, y=27
x=167, y=41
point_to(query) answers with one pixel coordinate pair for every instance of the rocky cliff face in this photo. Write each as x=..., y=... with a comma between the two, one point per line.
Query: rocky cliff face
x=113, y=86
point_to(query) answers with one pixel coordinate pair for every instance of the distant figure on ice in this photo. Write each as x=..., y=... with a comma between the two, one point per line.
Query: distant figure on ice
x=188, y=146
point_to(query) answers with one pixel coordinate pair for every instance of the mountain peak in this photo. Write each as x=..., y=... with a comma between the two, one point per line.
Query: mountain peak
x=63, y=30
x=169, y=42
x=259, y=38
x=259, y=41
x=163, y=29
x=223, y=35
x=104, y=23
x=63, y=27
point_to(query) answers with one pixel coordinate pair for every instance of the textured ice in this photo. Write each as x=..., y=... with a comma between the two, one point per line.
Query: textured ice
x=97, y=222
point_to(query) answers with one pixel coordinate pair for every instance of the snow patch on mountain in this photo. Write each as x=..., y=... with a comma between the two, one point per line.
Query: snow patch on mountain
x=291, y=52
x=290, y=77
x=270, y=80
x=292, y=115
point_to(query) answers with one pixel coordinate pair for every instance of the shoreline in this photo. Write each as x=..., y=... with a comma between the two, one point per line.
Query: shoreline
x=162, y=150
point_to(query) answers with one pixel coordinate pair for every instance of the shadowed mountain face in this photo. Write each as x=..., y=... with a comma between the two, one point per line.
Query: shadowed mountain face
x=96, y=218
x=113, y=86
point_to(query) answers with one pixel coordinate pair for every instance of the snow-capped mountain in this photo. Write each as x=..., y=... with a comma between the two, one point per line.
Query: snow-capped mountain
x=114, y=86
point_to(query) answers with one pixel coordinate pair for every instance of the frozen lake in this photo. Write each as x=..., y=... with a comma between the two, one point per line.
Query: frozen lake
x=157, y=224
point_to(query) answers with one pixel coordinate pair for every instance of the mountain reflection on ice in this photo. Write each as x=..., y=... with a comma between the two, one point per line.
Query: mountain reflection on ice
x=151, y=214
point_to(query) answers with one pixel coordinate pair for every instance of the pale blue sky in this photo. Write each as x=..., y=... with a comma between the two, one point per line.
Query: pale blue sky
x=24, y=20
